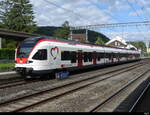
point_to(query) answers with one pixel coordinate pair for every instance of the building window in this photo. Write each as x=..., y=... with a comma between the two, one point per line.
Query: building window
x=115, y=43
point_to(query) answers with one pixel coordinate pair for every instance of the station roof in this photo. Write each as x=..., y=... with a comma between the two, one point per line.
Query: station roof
x=117, y=38
x=15, y=34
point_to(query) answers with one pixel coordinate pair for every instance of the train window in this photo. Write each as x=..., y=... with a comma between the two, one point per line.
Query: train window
x=65, y=55
x=111, y=55
x=24, y=50
x=89, y=56
x=100, y=55
x=94, y=55
x=85, y=57
x=73, y=57
x=40, y=55
x=123, y=55
x=116, y=55
x=107, y=55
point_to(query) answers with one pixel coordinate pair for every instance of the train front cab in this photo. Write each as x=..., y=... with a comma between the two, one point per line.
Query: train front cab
x=30, y=60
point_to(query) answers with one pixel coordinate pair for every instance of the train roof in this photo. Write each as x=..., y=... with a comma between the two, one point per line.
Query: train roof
x=36, y=39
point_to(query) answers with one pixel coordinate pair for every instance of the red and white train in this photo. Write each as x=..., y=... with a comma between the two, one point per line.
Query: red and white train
x=43, y=55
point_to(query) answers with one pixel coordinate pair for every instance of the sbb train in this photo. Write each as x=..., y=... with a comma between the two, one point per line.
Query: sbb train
x=44, y=55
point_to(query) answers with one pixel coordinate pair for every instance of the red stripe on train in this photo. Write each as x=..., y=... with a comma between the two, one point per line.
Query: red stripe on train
x=21, y=60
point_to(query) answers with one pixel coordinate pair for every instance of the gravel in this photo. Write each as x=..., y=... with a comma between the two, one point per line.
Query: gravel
x=85, y=99
x=27, y=89
x=82, y=100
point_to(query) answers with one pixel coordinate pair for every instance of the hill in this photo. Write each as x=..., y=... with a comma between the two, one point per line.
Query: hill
x=92, y=35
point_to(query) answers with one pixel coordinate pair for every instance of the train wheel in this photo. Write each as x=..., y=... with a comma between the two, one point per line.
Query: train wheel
x=50, y=75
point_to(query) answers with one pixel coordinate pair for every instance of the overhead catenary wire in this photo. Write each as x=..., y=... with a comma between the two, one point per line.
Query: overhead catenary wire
x=81, y=17
x=134, y=9
x=106, y=12
x=67, y=10
x=139, y=17
x=147, y=17
x=115, y=17
x=142, y=7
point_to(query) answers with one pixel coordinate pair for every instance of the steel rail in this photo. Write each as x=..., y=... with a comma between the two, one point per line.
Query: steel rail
x=58, y=88
x=21, y=82
x=96, y=109
x=140, y=96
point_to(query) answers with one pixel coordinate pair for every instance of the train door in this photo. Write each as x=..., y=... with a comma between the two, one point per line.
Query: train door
x=94, y=57
x=118, y=55
x=80, y=58
x=112, y=57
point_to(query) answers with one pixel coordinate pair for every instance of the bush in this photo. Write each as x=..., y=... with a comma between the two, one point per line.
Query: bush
x=6, y=66
x=6, y=53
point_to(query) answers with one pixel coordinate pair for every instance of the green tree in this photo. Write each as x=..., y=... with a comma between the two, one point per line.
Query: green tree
x=12, y=44
x=139, y=45
x=63, y=32
x=99, y=41
x=149, y=45
x=17, y=15
x=84, y=41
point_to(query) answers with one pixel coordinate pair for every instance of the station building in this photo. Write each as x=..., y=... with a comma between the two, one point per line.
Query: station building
x=120, y=42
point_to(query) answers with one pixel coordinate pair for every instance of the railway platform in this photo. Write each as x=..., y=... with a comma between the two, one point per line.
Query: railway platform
x=8, y=74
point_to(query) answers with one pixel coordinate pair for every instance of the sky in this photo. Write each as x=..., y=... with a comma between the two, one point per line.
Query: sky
x=92, y=12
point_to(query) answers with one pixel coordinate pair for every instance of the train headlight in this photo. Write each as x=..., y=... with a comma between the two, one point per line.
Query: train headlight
x=29, y=61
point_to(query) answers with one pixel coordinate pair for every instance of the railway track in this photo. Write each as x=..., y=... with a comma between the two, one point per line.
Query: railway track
x=133, y=107
x=100, y=107
x=18, y=81
x=27, y=102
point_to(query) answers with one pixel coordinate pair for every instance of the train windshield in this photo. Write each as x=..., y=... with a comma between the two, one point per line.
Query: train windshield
x=24, y=50
x=26, y=46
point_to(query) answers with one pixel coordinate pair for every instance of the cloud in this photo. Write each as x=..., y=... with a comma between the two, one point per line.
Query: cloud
x=137, y=13
x=80, y=12
x=131, y=36
x=90, y=12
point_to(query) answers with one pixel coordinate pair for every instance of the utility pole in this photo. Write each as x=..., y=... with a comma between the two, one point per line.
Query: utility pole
x=86, y=34
x=0, y=43
x=70, y=33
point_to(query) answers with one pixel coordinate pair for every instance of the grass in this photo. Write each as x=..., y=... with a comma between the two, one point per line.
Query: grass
x=6, y=66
